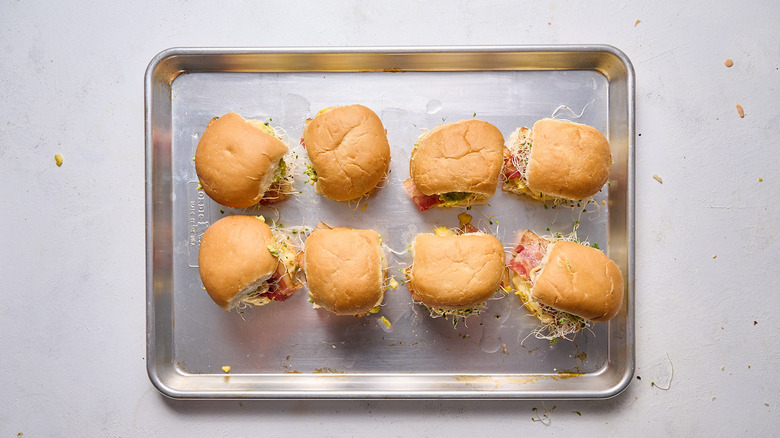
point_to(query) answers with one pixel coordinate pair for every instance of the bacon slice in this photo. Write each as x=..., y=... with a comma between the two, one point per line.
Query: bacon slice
x=509, y=171
x=530, y=252
x=422, y=201
x=467, y=228
x=281, y=285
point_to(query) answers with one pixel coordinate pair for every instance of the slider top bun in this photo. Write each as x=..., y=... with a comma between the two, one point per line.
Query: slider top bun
x=579, y=280
x=464, y=156
x=456, y=272
x=234, y=258
x=568, y=160
x=236, y=160
x=348, y=148
x=345, y=269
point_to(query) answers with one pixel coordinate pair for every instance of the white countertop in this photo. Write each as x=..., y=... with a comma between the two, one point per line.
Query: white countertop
x=72, y=329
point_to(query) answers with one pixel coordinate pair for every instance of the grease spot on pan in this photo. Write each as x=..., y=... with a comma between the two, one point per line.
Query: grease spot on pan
x=433, y=106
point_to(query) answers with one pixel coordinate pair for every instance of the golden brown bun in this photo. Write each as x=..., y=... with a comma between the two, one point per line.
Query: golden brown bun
x=345, y=269
x=348, y=148
x=236, y=161
x=568, y=160
x=464, y=156
x=579, y=280
x=456, y=272
x=234, y=257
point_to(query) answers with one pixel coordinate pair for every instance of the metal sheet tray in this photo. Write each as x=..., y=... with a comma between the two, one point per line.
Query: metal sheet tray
x=289, y=350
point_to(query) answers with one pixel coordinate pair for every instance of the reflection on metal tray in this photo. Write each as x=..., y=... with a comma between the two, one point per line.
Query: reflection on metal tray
x=289, y=350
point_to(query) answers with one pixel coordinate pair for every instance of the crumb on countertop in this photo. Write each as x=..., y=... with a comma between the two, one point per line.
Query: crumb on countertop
x=226, y=368
x=58, y=159
x=740, y=111
x=658, y=178
x=728, y=62
x=636, y=23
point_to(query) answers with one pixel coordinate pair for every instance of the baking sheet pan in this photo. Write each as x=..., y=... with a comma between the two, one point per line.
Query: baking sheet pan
x=289, y=350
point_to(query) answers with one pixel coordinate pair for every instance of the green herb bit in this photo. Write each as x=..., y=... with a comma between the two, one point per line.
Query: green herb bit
x=453, y=198
x=311, y=173
x=281, y=171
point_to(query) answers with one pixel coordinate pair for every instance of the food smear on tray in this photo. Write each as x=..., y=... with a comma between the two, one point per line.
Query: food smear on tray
x=241, y=162
x=455, y=164
x=349, y=152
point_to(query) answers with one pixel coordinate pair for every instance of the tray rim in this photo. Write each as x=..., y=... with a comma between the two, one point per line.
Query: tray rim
x=169, y=391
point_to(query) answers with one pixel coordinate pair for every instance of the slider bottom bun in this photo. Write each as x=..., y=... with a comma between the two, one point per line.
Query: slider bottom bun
x=456, y=272
x=240, y=262
x=345, y=269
